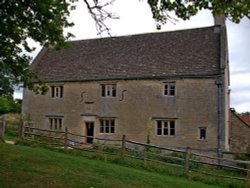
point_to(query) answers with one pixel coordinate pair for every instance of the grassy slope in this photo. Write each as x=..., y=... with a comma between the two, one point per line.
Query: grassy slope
x=36, y=167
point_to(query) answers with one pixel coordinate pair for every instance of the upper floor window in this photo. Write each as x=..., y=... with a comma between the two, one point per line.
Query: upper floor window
x=202, y=133
x=108, y=90
x=169, y=89
x=55, y=123
x=165, y=128
x=56, y=91
x=107, y=126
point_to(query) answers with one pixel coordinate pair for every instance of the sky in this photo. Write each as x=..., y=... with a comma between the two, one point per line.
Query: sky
x=135, y=18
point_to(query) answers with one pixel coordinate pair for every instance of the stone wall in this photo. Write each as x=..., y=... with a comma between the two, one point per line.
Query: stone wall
x=136, y=107
x=239, y=134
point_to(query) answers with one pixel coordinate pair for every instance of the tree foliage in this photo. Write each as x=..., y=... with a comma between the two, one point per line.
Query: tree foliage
x=234, y=10
x=41, y=20
x=44, y=22
x=8, y=104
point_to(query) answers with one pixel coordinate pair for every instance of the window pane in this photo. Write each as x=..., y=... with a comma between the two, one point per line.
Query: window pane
x=202, y=133
x=103, y=90
x=59, y=121
x=172, y=128
x=61, y=91
x=113, y=90
x=107, y=126
x=52, y=91
x=108, y=88
x=172, y=89
x=57, y=92
x=158, y=124
x=165, y=131
x=166, y=89
x=159, y=132
x=112, y=129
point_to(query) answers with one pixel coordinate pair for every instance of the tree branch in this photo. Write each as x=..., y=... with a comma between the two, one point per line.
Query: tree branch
x=100, y=15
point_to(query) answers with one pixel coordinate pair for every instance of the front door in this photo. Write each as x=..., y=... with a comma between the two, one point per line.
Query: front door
x=89, y=132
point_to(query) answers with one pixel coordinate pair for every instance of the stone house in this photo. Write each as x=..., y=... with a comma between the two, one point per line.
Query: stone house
x=239, y=131
x=170, y=86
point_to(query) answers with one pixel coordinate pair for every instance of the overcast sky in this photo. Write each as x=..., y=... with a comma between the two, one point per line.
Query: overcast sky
x=135, y=18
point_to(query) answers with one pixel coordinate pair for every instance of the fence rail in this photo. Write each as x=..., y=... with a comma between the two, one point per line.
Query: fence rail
x=185, y=159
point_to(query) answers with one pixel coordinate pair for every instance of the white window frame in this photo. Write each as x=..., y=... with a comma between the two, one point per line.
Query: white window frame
x=169, y=89
x=57, y=91
x=108, y=90
x=107, y=126
x=165, y=127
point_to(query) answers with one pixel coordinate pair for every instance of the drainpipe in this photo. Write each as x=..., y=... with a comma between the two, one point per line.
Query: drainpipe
x=219, y=83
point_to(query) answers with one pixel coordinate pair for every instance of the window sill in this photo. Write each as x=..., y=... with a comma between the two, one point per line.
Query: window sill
x=166, y=136
x=202, y=140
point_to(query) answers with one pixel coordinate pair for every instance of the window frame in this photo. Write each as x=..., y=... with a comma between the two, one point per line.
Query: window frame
x=201, y=135
x=107, y=126
x=55, y=123
x=165, y=127
x=169, y=89
x=57, y=91
x=108, y=90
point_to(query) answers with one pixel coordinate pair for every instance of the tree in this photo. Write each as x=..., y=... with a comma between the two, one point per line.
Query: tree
x=44, y=22
x=41, y=20
x=234, y=10
x=8, y=104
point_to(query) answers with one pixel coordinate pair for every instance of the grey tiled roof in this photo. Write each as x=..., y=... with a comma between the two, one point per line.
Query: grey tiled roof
x=193, y=52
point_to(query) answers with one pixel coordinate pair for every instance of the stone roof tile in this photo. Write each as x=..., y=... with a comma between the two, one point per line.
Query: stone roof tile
x=192, y=52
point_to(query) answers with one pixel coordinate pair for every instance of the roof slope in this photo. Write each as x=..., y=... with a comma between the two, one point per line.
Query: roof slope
x=246, y=119
x=193, y=52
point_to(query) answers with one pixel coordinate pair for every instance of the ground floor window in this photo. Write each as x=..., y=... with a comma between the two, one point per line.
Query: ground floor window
x=165, y=127
x=107, y=126
x=55, y=123
x=202, y=133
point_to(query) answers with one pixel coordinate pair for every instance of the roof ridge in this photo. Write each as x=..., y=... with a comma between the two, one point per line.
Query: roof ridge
x=143, y=34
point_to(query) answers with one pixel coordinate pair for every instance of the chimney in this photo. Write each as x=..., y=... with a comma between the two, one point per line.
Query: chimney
x=219, y=19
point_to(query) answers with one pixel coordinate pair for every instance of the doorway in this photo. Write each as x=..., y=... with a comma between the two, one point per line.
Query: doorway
x=89, y=131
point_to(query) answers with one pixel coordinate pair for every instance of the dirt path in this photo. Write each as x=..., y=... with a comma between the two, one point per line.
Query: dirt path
x=9, y=142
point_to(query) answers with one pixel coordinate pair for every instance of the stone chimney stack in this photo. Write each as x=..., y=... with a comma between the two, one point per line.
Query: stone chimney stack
x=220, y=19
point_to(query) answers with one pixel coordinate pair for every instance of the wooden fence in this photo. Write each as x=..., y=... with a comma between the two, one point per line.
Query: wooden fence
x=186, y=159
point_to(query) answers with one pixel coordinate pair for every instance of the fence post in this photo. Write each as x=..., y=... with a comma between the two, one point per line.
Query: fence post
x=123, y=149
x=66, y=138
x=248, y=176
x=2, y=127
x=187, y=157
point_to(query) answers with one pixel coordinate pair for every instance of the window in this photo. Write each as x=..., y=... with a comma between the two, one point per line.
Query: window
x=55, y=123
x=56, y=91
x=165, y=128
x=202, y=133
x=108, y=90
x=169, y=89
x=107, y=126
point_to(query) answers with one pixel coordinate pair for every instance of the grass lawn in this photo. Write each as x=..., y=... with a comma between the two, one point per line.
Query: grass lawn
x=23, y=166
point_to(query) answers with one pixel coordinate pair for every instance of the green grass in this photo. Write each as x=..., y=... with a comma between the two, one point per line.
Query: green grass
x=12, y=126
x=23, y=166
